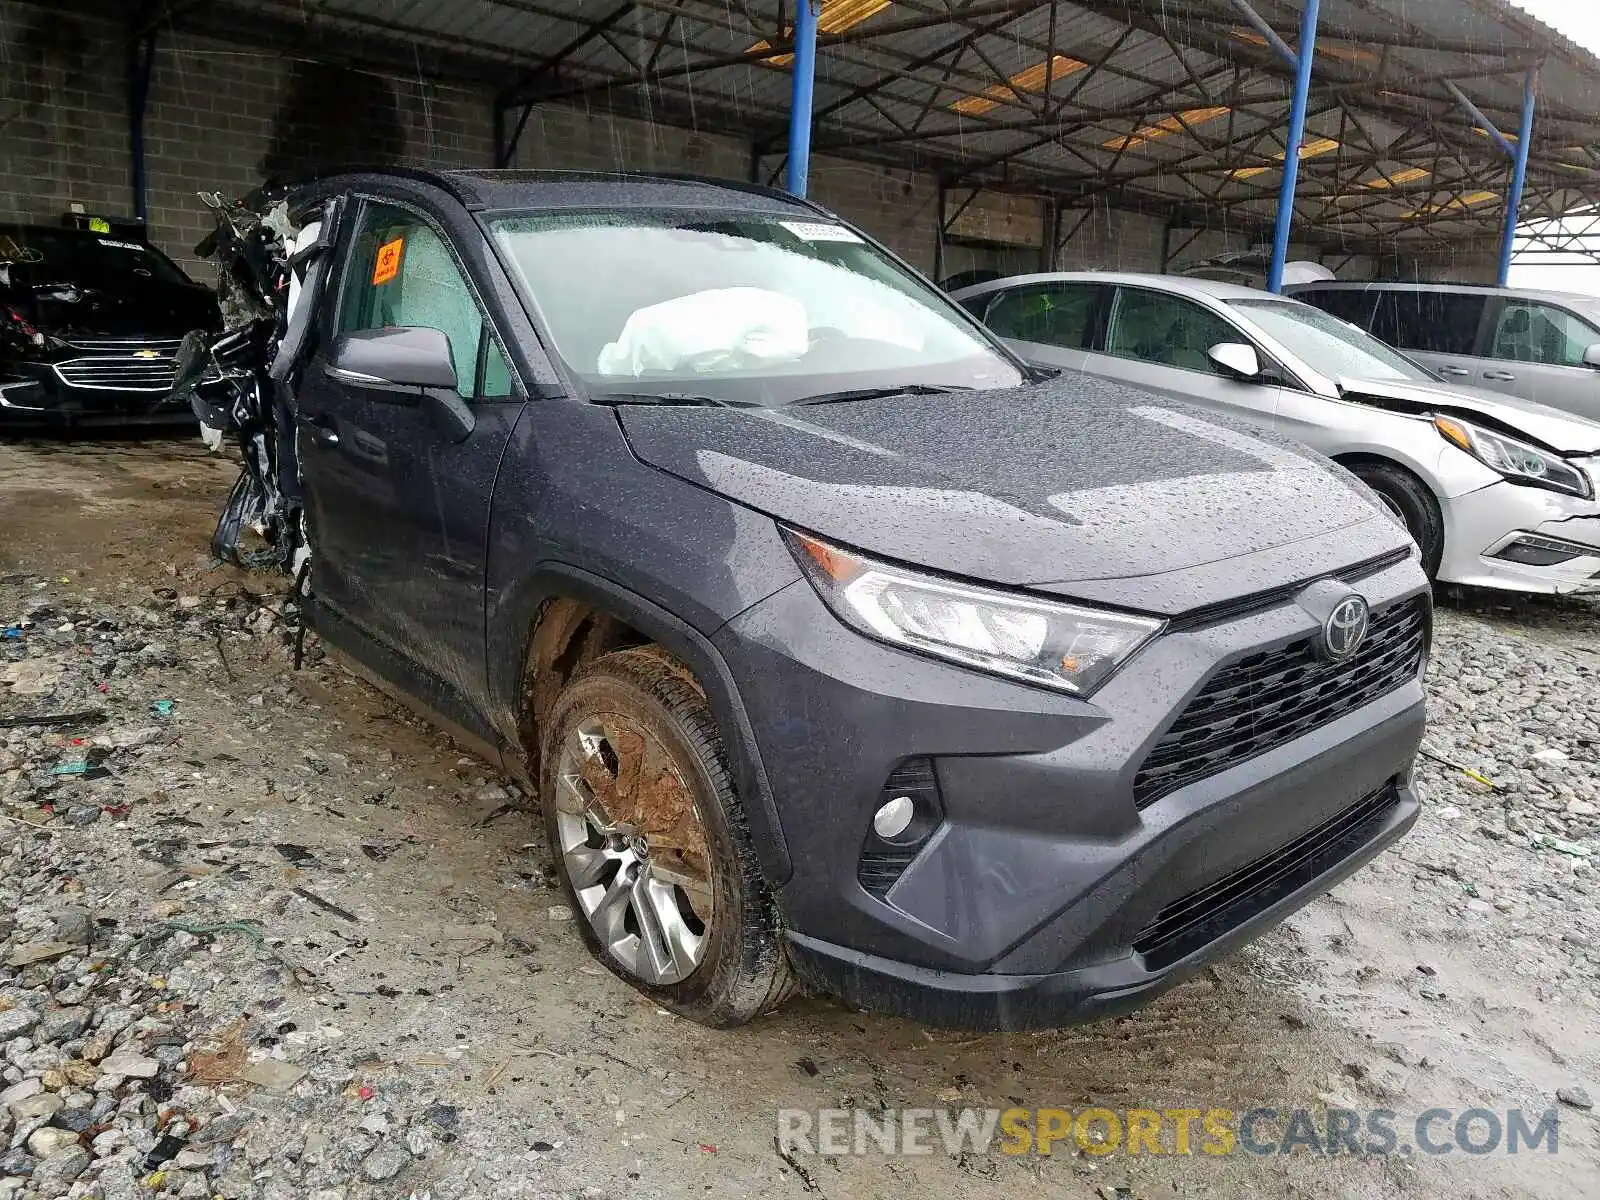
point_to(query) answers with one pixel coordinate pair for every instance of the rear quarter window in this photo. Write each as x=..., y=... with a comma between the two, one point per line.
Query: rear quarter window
x=1349, y=304
x=1433, y=322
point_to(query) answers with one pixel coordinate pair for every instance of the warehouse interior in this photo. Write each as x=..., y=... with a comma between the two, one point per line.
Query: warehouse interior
x=1000, y=134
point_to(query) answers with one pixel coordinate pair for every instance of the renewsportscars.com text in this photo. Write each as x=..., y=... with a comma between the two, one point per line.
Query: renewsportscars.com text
x=1167, y=1131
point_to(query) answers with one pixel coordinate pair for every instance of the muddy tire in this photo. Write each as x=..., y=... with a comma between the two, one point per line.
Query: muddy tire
x=651, y=843
x=1410, y=500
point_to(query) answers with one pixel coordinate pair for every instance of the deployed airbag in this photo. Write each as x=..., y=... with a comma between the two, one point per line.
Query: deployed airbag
x=710, y=330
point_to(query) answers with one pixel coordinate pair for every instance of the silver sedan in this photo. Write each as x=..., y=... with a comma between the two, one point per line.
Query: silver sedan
x=1497, y=492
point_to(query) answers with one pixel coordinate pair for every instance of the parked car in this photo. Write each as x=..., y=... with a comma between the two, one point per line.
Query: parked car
x=89, y=325
x=1497, y=492
x=1541, y=346
x=830, y=641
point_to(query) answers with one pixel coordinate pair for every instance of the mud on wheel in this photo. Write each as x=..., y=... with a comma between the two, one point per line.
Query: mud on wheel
x=651, y=843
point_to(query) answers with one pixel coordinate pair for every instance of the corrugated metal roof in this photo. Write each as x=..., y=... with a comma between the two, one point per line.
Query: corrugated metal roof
x=1175, y=104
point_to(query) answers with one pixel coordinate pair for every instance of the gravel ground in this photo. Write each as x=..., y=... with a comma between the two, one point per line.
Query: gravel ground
x=262, y=934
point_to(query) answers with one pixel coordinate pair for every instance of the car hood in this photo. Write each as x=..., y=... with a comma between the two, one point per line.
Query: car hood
x=1078, y=486
x=1557, y=430
x=136, y=308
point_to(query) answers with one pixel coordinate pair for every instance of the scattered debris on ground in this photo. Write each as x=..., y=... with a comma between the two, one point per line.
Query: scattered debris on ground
x=264, y=936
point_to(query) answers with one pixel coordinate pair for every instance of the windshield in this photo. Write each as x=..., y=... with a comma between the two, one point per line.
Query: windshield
x=85, y=259
x=738, y=308
x=1328, y=345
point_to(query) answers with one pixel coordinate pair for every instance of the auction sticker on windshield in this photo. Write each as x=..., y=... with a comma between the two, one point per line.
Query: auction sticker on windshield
x=388, y=264
x=819, y=231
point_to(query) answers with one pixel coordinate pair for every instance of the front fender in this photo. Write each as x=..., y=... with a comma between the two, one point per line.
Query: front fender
x=553, y=578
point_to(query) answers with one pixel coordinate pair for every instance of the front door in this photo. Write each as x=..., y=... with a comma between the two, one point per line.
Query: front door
x=398, y=512
x=1159, y=341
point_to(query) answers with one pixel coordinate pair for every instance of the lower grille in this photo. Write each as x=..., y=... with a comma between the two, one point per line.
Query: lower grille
x=1266, y=699
x=1203, y=916
x=122, y=366
x=880, y=870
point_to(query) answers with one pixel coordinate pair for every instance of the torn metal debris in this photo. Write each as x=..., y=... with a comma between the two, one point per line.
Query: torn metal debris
x=240, y=382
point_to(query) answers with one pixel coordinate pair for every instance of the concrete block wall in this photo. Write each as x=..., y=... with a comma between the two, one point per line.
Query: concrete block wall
x=63, y=123
x=220, y=117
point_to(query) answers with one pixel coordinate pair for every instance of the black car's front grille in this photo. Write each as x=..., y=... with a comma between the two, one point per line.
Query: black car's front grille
x=1266, y=699
x=1208, y=913
x=121, y=365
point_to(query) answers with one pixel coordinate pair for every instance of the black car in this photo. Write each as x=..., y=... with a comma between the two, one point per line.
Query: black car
x=831, y=638
x=89, y=324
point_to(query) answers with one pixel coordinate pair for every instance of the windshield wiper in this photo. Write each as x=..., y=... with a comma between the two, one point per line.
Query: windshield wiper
x=912, y=389
x=681, y=399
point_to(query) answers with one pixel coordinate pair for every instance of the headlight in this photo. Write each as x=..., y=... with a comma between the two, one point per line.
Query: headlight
x=1057, y=646
x=1517, y=461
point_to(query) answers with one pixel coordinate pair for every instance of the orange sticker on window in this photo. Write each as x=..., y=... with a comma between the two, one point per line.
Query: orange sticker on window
x=388, y=264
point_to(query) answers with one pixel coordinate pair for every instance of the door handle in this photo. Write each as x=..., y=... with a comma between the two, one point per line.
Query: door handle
x=321, y=429
x=1501, y=376
x=1456, y=371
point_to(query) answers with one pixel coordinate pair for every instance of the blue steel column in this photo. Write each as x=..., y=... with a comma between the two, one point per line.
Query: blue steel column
x=1291, y=149
x=1519, y=175
x=805, y=71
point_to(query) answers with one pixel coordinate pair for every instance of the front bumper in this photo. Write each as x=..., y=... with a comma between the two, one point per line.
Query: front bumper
x=1487, y=529
x=37, y=395
x=1033, y=901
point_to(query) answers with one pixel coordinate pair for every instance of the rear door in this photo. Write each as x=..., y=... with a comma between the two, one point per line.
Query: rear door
x=1535, y=350
x=1439, y=328
x=1160, y=341
x=1054, y=324
x=398, y=512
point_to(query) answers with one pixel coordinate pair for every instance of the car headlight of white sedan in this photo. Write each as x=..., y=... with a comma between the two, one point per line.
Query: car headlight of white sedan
x=1518, y=461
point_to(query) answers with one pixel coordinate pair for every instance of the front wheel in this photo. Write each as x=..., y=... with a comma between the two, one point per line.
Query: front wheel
x=1411, y=503
x=652, y=845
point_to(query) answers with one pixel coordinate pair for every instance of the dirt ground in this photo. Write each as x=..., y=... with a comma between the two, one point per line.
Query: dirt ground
x=459, y=978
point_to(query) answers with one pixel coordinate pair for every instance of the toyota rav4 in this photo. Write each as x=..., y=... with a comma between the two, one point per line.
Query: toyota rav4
x=837, y=644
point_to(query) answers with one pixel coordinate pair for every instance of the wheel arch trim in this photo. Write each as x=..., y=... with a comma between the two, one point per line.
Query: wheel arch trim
x=555, y=578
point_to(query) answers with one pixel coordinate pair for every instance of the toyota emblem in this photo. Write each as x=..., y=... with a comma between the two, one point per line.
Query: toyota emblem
x=1346, y=628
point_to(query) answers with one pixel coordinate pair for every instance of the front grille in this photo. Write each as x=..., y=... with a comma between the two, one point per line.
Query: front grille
x=121, y=365
x=1206, y=914
x=1261, y=701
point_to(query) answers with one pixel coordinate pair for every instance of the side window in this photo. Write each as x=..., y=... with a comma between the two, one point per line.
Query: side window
x=496, y=377
x=1158, y=328
x=401, y=273
x=1052, y=314
x=1432, y=322
x=1539, y=333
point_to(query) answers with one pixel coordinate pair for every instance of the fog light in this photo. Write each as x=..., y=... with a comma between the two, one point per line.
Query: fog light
x=894, y=818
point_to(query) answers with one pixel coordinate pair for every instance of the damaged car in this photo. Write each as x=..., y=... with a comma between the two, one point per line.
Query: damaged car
x=840, y=647
x=1497, y=492
x=89, y=329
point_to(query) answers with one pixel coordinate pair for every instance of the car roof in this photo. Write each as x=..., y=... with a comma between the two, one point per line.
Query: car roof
x=1421, y=285
x=1179, y=284
x=556, y=190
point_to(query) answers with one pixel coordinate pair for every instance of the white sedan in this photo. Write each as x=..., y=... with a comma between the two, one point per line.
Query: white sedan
x=1496, y=492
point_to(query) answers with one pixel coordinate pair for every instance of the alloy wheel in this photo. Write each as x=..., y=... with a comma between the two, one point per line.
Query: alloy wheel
x=634, y=848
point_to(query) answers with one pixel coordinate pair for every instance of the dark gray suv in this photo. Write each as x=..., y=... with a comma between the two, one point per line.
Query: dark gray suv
x=836, y=643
